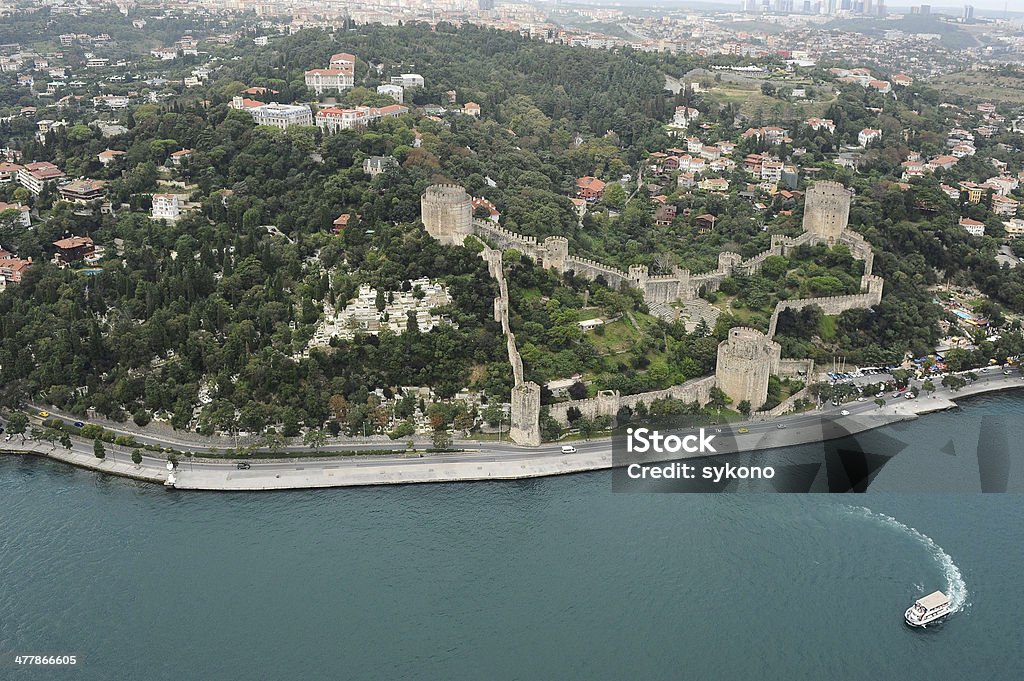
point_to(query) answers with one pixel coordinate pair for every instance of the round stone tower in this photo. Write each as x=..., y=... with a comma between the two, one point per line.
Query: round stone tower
x=447, y=213
x=827, y=210
x=745, y=360
x=556, y=250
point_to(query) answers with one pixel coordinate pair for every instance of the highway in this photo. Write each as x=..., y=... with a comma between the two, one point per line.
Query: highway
x=489, y=460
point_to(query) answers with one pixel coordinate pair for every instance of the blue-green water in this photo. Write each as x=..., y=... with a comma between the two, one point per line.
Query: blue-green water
x=544, y=579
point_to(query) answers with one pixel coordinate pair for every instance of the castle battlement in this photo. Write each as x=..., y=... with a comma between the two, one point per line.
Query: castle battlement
x=745, y=359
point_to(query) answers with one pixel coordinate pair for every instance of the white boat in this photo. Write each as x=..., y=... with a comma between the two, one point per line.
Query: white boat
x=927, y=609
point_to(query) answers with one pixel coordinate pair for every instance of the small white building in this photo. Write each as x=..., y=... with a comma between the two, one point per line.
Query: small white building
x=166, y=207
x=868, y=135
x=282, y=115
x=408, y=80
x=396, y=92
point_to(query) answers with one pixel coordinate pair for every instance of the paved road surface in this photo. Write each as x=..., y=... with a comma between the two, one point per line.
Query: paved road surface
x=489, y=460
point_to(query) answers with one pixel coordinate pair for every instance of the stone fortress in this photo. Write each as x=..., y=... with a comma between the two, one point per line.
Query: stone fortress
x=745, y=359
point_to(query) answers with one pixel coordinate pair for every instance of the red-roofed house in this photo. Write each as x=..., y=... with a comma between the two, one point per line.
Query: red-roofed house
x=973, y=226
x=341, y=222
x=73, y=248
x=589, y=188
x=12, y=269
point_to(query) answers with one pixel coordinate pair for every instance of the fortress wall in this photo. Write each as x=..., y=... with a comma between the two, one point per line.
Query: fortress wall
x=504, y=239
x=791, y=368
x=591, y=269
x=744, y=360
x=830, y=305
x=608, y=403
x=784, y=407
x=662, y=289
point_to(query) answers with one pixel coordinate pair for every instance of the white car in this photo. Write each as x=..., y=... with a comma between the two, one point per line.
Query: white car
x=568, y=449
x=845, y=412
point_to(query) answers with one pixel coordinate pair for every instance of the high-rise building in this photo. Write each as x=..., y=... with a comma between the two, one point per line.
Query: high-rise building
x=486, y=4
x=926, y=9
x=968, y=11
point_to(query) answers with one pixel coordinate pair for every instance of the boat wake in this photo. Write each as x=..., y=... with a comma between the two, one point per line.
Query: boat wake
x=956, y=587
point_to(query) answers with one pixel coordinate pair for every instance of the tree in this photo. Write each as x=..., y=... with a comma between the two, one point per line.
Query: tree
x=136, y=457
x=928, y=386
x=718, y=399
x=954, y=382
x=577, y=390
x=98, y=449
x=16, y=424
x=744, y=407
x=315, y=438
x=441, y=439
x=65, y=441
x=880, y=402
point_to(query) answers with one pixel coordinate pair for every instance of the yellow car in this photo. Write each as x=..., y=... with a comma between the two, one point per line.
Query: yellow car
x=43, y=414
x=744, y=430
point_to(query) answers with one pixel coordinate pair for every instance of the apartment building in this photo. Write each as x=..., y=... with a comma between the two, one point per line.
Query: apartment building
x=35, y=176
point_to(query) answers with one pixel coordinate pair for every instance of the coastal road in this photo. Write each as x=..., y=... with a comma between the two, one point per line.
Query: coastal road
x=492, y=460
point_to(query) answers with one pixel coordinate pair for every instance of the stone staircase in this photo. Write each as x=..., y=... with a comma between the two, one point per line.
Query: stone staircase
x=695, y=310
x=690, y=312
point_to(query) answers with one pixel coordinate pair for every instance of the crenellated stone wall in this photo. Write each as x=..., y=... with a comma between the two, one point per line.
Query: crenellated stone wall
x=833, y=305
x=745, y=359
x=608, y=402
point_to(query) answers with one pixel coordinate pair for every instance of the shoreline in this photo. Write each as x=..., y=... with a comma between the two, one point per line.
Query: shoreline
x=475, y=465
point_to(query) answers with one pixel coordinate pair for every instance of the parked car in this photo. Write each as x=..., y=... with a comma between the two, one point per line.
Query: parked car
x=568, y=449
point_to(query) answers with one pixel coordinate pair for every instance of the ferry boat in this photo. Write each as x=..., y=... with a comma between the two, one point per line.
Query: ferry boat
x=927, y=609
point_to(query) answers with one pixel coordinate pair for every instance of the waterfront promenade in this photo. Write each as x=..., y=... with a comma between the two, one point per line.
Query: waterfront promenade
x=489, y=461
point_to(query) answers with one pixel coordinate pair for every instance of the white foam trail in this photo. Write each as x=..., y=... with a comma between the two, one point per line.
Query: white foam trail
x=956, y=587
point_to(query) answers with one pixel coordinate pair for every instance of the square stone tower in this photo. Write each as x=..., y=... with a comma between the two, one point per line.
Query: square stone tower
x=827, y=210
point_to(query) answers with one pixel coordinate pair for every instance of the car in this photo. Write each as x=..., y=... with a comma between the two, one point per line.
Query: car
x=909, y=396
x=744, y=430
x=243, y=466
x=882, y=394
x=984, y=371
x=79, y=424
x=781, y=426
x=568, y=449
x=845, y=412
x=896, y=394
x=44, y=414
x=1006, y=373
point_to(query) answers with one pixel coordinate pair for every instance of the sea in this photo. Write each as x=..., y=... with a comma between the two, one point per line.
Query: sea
x=553, y=578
